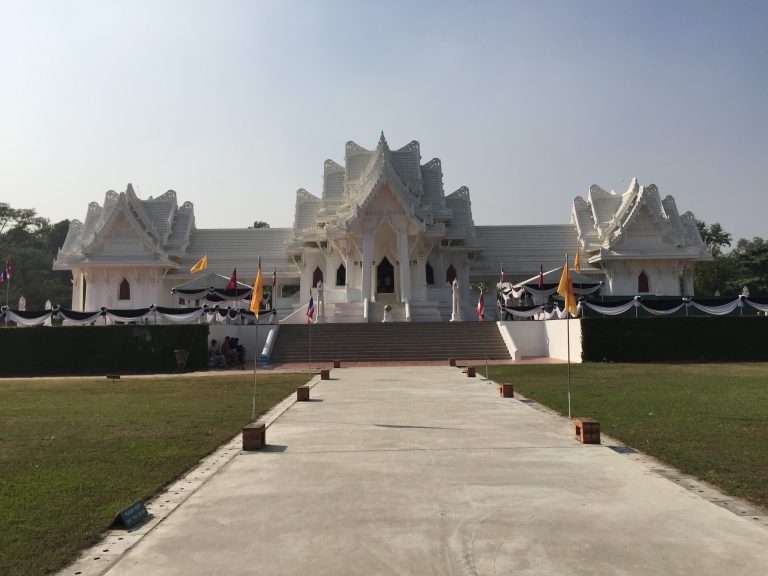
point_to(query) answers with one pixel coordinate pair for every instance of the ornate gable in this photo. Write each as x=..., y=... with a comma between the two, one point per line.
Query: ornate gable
x=636, y=224
x=127, y=228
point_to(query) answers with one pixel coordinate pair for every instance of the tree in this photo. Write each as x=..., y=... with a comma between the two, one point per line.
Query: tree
x=32, y=242
x=751, y=259
x=260, y=224
x=714, y=236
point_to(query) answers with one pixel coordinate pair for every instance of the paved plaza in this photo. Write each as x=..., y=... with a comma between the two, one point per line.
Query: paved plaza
x=421, y=470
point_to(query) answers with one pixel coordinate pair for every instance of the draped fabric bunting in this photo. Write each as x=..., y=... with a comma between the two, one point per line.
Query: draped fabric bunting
x=180, y=315
x=609, y=310
x=548, y=290
x=523, y=311
x=665, y=312
x=24, y=318
x=72, y=318
x=138, y=315
x=762, y=306
x=216, y=314
x=214, y=295
x=512, y=291
x=721, y=310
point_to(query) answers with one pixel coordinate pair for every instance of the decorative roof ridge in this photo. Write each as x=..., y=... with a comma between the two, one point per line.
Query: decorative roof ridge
x=628, y=217
x=434, y=164
x=461, y=193
x=189, y=226
x=351, y=146
x=123, y=206
x=412, y=146
x=303, y=196
x=331, y=166
x=136, y=206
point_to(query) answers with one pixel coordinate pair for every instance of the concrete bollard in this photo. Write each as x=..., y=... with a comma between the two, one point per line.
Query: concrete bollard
x=254, y=436
x=470, y=371
x=302, y=393
x=325, y=374
x=506, y=390
x=586, y=430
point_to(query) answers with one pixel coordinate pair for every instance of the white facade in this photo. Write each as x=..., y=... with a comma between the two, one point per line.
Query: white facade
x=382, y=232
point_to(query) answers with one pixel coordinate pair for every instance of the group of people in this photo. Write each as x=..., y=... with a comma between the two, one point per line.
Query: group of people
x=230, y=354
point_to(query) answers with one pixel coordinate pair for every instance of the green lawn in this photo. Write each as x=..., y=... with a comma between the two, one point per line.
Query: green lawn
x=708, y=420
x=75, y=452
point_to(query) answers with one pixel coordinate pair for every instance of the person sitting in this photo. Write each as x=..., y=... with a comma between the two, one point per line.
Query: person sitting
x=229, y=352
x=215, y=357
x=240, y=351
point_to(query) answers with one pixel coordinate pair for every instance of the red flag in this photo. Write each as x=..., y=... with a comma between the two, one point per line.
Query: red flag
x=541, y=277
x=480, y=307
x=232, y=284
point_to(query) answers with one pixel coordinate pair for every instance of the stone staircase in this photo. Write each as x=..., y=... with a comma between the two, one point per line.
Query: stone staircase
x=389, y=341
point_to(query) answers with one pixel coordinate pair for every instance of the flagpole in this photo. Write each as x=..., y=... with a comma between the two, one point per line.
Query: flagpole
x=7, y=287
x=255, y=362
x=568, y=343
x=255, y=302
x=485, y=339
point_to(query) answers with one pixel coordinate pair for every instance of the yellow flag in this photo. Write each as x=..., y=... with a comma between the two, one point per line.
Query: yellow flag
x=202, y=264
x=565, y=289
x=577, y=262
x=258, y=292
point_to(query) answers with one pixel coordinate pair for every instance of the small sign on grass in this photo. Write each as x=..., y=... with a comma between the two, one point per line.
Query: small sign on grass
x=135, y=514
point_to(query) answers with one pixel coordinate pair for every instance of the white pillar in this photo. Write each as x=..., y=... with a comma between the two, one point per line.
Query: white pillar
x=405, y=265
x=456, y=304
x=365, y=287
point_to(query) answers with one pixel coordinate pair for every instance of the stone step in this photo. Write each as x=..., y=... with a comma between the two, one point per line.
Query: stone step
x=390, y=341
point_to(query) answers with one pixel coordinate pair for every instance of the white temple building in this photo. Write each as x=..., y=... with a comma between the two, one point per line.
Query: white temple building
x=383, y=231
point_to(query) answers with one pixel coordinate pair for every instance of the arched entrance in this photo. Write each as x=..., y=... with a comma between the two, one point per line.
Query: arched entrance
x=385, y=277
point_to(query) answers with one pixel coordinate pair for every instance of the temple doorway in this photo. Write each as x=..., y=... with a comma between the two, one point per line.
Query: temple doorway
x=385, y=277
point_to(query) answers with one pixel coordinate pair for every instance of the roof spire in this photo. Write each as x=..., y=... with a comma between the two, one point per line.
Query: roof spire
x=382, y=142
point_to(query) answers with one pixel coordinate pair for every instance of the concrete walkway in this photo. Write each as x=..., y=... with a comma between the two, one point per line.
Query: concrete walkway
x=420, y=470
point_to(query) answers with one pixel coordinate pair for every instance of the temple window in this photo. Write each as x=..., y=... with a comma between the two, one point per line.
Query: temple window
x=341, y=275
x=288, y=290
x=642, y=283
x=430, y=274
x=317, y=276
x=125, y=290
x=450, y=274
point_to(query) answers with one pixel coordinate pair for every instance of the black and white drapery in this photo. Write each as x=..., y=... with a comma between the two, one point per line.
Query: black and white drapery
x=547, y=290
x=25, y=318
x=540, y=312
x=217, y=314
x=666, y=307
x=214, y=295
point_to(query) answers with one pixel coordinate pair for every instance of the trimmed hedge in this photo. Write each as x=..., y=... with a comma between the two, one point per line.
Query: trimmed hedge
x=84, y=350
x=666, y=339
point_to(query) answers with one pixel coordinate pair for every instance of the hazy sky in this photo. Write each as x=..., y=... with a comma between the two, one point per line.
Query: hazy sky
x=236, y=104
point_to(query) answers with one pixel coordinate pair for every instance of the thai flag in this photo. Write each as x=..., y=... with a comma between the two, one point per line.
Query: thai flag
x=310, y=309
x=480, y=307
x=541, y=277
x=7, y=272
